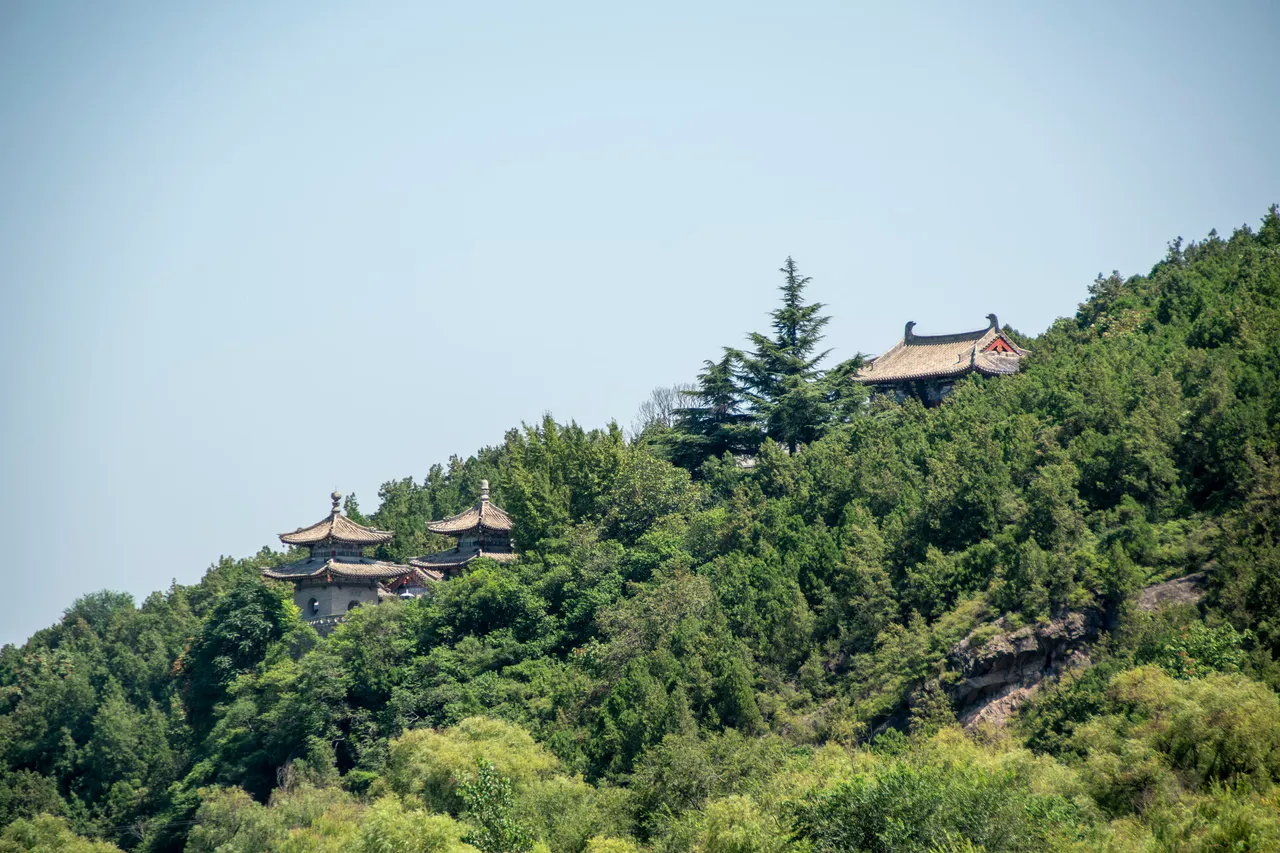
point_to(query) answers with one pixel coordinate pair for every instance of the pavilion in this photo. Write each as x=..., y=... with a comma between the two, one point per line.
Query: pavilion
x=483, y=530
x=927, y=366
x=336, y=576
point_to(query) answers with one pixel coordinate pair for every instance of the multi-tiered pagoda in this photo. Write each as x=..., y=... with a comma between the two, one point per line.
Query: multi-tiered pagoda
x=483, y=530
x=927, y=366
x=337, y=576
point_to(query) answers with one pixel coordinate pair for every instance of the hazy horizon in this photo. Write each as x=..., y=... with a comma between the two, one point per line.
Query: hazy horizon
x=249, y=254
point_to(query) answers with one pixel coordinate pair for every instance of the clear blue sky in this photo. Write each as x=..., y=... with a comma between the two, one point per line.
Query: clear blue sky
x=252, y=252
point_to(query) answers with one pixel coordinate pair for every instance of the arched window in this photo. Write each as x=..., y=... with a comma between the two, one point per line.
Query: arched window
x=352, y=605
x=313, y=607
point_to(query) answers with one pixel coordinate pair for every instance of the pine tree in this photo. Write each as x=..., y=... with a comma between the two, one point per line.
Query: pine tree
x=780, y=376
x=714, y=422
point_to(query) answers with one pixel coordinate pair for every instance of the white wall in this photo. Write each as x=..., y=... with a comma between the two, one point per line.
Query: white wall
x=333, y=599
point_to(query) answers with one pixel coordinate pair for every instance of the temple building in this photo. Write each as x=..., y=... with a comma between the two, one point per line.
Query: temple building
x=927, y=366
x=336, y=576
x=483, y=530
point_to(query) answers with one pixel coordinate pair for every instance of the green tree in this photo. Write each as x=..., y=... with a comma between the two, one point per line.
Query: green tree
x=780, y=375
x=909, y=807
x=24, y=793
x=489, y=803
x=234, y=639
x=390, y=827
x=48, y=834
x=430, y=764
x=98, y=608
x=714, y=420
x=645, y=490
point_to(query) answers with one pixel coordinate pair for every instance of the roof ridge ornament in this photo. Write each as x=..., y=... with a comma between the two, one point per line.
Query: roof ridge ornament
x=483, y=513
x=338, y=527
x=942, y=358
x=481, y=530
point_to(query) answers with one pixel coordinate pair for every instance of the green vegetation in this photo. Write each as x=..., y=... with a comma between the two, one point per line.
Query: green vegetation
x=697, y=655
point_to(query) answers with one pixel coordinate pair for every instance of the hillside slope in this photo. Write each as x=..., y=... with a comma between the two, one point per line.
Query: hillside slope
x=712, y=658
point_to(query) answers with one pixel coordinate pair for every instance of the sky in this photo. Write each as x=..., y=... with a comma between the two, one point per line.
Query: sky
x=254, y=252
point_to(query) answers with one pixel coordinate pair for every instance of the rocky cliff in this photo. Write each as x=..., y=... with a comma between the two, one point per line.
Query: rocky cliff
x=999, y=671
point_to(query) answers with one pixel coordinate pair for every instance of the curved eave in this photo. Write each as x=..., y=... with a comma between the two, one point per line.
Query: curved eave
x=337, y=528
x=484, y=516
x=455, y=557
x=937, y=374
x=369, y=542
x=445, y=529
x=361, y=572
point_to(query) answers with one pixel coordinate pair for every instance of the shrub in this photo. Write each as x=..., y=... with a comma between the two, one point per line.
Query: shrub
x=900, y=807
x=48, y=834
x=430, y=764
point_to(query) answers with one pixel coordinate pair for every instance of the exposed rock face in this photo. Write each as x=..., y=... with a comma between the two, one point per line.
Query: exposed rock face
x=1185, y=590
x=999, y=674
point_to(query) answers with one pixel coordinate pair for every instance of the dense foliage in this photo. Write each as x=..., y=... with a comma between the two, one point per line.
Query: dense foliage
x=699, y=651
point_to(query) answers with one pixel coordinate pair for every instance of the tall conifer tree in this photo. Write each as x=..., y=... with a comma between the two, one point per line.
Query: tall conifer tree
x=780, y=377
x=714, y=422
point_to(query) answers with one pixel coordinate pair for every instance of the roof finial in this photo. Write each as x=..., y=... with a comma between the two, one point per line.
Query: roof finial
x=906, y=334
x=484, y=491
x=995, y=324
x=336, y=497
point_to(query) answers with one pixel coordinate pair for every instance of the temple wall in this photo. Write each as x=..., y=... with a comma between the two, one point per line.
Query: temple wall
x=929, y=392
x=333, y=599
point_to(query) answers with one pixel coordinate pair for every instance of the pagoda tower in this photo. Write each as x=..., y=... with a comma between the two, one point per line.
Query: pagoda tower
x=483, y=530
x=337, y=577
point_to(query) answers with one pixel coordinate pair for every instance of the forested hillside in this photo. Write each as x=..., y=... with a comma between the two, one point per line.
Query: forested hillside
x=697, y=654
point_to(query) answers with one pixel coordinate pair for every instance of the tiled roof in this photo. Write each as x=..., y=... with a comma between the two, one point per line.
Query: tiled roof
x=350, y=568
x=459, y=557
x=941, y=356
x=415, y=587
x=337, y=527
x=483, y=515
x=418, y=577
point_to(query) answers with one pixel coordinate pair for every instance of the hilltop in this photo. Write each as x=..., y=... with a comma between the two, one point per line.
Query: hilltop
x=697, y=653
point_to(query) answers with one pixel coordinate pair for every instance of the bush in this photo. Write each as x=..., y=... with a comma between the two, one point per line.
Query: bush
x=48, y=834
x=900, y=807
x=389, y=827
x=1217, y=728
x=605, y=844
x=1167, y=734
x=737, y=825
x=430, y=764
x=318, y=820
x=566, y=812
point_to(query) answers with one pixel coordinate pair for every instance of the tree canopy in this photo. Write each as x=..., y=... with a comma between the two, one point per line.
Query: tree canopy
x=699, y=651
